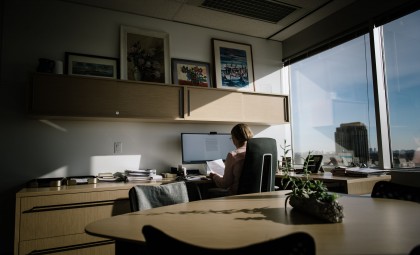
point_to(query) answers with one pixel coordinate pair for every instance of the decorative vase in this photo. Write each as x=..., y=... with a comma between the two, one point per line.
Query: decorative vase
x=328, y=211
x=136, y=74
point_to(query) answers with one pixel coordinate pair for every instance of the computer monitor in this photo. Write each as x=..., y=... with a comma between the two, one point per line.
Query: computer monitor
x=198, y=148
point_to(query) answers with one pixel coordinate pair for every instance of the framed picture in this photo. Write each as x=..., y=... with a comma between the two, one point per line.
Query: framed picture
x=188, y=72
x=144, y=55
x=233, y=65
x=91, y=65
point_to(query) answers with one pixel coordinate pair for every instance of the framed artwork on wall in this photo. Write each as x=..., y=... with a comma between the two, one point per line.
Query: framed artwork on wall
x=233, y=66
x=91, y=65
x=193, y=73
x=144, y=55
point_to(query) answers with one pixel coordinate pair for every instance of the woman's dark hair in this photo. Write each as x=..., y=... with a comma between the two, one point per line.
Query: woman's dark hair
x=241, y=132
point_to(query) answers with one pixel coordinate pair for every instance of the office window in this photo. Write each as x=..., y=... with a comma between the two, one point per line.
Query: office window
x=332, y=105
x=402, y=72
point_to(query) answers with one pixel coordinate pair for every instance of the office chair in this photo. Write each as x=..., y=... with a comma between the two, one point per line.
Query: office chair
x=259, y=172
x=387, y=189
x=415, y=250
x=296, y=243
x=144, y=197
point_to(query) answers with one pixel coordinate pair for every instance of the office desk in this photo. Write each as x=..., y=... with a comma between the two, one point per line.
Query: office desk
x=344, y=184
x=50, y=218
x=370, y=225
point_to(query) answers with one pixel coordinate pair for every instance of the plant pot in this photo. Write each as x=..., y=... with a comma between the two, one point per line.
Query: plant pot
x=328, y=211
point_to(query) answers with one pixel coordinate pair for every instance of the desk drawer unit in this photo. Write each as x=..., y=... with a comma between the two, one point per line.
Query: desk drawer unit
x=55, y=223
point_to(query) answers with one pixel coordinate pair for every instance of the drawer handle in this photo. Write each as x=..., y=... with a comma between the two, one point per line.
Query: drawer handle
x=181, y=103
x=71, y=206
x=189, y=104
x=286, y=109
x=71, y=247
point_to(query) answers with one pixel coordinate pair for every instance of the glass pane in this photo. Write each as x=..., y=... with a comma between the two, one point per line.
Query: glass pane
x=402, y=62
x=333, y=107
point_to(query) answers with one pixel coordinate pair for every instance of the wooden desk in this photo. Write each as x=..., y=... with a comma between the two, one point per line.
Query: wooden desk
x=53, y=219
x=343, y=184
x=370, y=225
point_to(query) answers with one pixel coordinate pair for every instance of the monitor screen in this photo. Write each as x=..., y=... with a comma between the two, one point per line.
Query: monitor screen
x=197, y=148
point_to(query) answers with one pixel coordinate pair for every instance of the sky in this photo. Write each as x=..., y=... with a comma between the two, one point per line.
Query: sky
x=403, y=79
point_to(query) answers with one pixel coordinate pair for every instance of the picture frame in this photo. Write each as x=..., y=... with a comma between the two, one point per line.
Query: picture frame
x=233, y=65
x=91, y=65
x=144, y=55
x=190, y=72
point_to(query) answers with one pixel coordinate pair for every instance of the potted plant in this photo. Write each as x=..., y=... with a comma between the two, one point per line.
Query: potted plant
x=310, y=196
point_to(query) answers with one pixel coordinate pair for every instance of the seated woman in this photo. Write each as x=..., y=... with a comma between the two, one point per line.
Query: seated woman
x=241, y=133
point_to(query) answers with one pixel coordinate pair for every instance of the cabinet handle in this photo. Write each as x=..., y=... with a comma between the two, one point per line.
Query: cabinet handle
x=71, y=247
x=189, y=106
x=181, y=103
x=117, y=113
x=71, y=206
x=286, y=109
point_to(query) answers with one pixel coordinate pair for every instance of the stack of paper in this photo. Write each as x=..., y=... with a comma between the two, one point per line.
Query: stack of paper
x=357, y=172
x=106, y=177
x=364, y=172
x=140, y=175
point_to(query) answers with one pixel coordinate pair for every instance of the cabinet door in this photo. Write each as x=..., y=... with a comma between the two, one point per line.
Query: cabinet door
x=62, y=95
x=213, y=105
x=150, y=101
x=265, y=109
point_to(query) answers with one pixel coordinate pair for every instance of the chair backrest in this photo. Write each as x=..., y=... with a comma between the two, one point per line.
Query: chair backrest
x=295, y=243
x=388, y=189
x=260, y=165
x=144, y=197
x=415, y=250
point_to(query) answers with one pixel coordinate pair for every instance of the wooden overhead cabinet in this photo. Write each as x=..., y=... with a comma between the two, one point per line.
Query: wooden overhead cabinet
x=87, y=97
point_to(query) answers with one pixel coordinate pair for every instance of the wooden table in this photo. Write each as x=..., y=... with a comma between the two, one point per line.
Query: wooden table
x=344, y=184
x=370, y=225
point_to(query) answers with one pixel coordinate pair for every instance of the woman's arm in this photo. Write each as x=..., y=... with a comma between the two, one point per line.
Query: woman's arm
x=227, y=180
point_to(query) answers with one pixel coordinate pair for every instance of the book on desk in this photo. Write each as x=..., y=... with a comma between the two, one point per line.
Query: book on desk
x=357, y=172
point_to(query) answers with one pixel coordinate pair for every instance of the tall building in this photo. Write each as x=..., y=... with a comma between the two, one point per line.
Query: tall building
x=353, y=137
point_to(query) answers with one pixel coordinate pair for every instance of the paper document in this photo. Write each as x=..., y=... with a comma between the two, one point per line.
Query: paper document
x=216, y=166
x=366, y=170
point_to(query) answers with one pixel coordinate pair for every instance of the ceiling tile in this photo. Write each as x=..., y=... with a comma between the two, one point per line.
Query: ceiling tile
x=189, y=12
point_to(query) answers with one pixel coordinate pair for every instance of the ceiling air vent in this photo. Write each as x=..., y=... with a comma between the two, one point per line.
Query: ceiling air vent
x=266, y=10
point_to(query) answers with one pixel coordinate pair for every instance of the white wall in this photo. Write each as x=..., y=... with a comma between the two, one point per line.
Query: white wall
x=34, y=148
